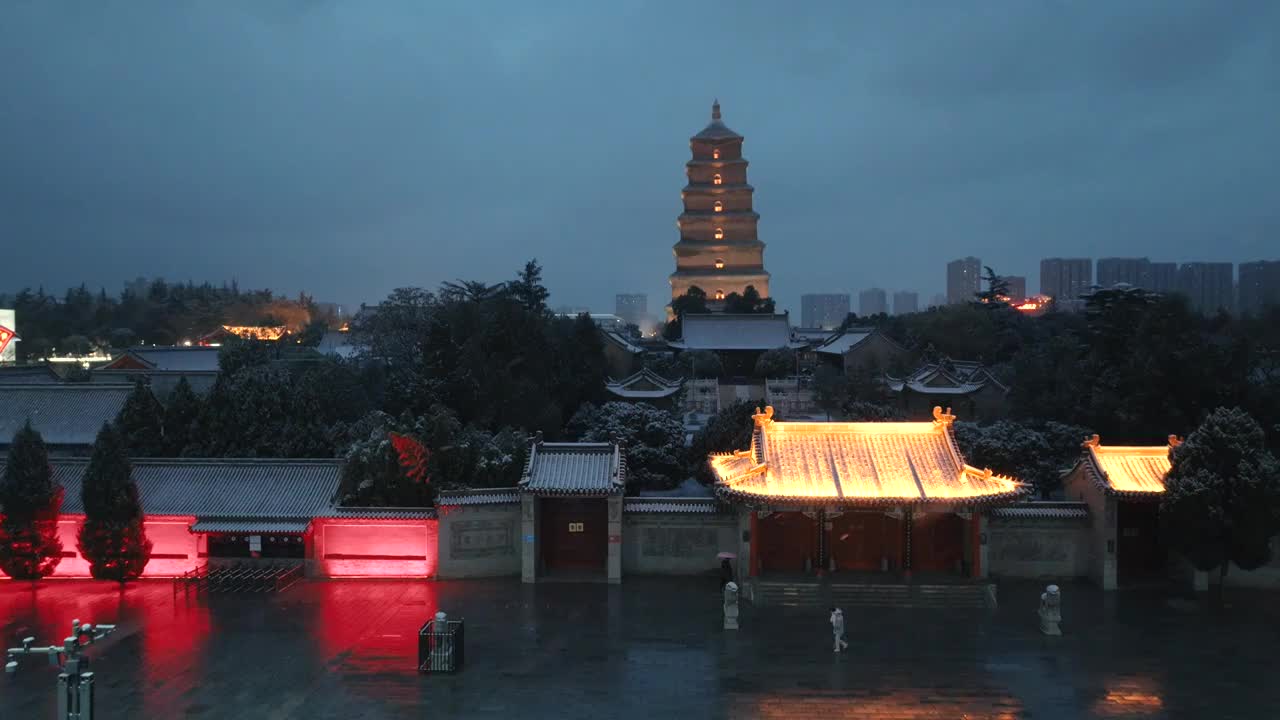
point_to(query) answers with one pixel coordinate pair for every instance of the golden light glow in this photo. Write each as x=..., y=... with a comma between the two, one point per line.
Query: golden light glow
x=1131, y=696
x=719, y=233
x=717, y=180
x=719, y=294
x=1131, y=469
x=715, y=154
x=911, y=702
x=719, y=206
x=256, y=332
x=906, y=461
x=719, y=264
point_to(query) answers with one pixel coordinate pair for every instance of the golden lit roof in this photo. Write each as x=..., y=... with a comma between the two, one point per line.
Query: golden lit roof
x=256, y=332
x=1129, y=470
x=856, y=463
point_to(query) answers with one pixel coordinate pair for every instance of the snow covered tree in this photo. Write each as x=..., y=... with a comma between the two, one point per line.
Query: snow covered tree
x=1222, y=497
x=141, y=421
x=653, y=440
x=112, y=538
x=30, y=501
x=179, y=418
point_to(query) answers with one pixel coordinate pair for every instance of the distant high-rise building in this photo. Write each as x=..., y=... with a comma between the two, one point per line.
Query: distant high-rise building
x=1065, y=279
x=905, y=301
x=1209, y=286
x=964, y=277
x=1259, y=285
x=823, y=310
x=938, y=300
x=1130, y=271
x=872, y=302
x=631, y=307
x=1017, y=287
x=1162, y=277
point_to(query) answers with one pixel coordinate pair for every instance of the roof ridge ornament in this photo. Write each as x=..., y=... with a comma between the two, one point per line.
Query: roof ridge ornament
x=715, y=109
x=942, y=419
x=1174, y=441
x=1092, y=441
x=763, y=419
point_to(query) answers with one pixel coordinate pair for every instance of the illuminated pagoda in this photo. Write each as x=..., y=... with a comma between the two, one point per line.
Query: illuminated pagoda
x=719, y=251
x=860, y=496
x=1123, y=485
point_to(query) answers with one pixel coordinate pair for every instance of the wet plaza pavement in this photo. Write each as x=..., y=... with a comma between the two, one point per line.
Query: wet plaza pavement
x=650, y=648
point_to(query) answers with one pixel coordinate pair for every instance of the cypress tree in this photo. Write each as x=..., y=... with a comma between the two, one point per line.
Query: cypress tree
x=141, y=423
x=112, y=538
x=30, y=501
x=179, y=418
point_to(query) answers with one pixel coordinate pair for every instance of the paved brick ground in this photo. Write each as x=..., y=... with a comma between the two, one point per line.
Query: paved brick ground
x=651, y=648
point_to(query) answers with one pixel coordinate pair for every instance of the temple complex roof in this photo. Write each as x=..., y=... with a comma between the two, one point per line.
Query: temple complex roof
x=856, y=463
x=581, y=469
x=1132, y=471
x=643, y=385
x=716, y=129
x=727, y=331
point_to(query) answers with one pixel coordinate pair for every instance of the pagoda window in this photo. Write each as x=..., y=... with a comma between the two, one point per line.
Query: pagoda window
x=719, y=233
x=719, y=206
x=717, y=180
x=719, y=294
x=719, y=263
x=715, y=153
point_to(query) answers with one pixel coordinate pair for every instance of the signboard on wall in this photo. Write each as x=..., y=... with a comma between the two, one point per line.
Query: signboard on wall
x=8, y=336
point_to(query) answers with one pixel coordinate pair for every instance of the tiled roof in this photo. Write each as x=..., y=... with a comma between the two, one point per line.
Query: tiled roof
x=884, y=463
x=378, y=513
x=250, y=526
x=574, y=469
x=949, y=377
x=617, y=339
x=175, y=359
x=841, y=343
x=64, y=413
x=642, y=385
x=1133, y=472
x=734, y=332
x=716, y=129
x=701, y=506
x=488, y=496
x=28, y=374
x=224, y=489
x=1043, y=511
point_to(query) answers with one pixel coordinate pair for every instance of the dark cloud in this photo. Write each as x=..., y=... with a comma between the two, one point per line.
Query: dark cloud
x=349, y=148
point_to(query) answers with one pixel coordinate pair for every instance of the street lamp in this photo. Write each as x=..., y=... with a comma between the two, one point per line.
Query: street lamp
x=75, y=682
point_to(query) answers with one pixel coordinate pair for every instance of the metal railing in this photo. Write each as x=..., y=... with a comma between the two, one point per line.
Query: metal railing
x=440, y=646
x=240, y=578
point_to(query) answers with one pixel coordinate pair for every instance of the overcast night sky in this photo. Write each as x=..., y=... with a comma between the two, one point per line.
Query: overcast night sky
x=348, y=148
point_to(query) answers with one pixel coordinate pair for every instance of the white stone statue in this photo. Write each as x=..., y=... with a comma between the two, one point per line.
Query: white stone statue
x=731, y=606
x=1051, y=611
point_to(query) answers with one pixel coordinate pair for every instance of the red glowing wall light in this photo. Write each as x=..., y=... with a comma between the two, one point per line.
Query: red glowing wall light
x=6, y=336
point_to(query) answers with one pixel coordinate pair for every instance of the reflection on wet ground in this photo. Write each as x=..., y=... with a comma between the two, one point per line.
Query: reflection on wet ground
x=649, y=648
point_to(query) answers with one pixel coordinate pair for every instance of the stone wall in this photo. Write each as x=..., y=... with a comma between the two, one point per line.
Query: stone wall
x=676, y=543
x=1041, y=548
x=479, y=541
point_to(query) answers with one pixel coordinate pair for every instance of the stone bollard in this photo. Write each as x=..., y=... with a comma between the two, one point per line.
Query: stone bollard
x=731, y=606
x=1050, y=611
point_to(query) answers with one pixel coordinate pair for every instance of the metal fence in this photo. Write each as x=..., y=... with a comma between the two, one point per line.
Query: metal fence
x=240, y=578
x=440, y=647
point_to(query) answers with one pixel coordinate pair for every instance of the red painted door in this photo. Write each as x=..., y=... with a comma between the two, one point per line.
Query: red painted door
x=574, y=533
x=1139, y=555
x=786, y=540
x=863, y=540
x=937, y=542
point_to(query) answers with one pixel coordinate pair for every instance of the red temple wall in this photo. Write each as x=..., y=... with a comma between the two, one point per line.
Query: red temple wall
x=373, y=548
x=173, y=547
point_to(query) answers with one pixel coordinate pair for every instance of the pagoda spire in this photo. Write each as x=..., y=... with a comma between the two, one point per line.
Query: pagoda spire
x=715, y=109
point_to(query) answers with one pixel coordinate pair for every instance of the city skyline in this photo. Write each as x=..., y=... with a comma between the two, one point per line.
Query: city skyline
x=439, y=154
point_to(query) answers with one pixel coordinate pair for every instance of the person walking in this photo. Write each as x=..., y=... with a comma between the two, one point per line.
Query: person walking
x=837, y=629
x=726, y=572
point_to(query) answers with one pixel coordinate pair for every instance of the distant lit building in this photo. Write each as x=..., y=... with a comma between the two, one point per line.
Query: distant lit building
x=1209, y=286
x=905, y=301
x=964, y=278
x=824, y=310
x=1259, y=285
x=872, y=302
x=938, y=300
x=1066, y=279
x=1135, y=272
x=632, y=308
x=1017, y=285
x=8, y=336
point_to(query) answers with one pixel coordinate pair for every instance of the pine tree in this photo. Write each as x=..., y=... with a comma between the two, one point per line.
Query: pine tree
x=180, y=417
x=112, y=538
x=1222, y=496
x=141, y=422
x=30, y=501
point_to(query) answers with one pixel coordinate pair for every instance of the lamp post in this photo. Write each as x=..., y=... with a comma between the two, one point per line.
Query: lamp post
x=75, y=682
